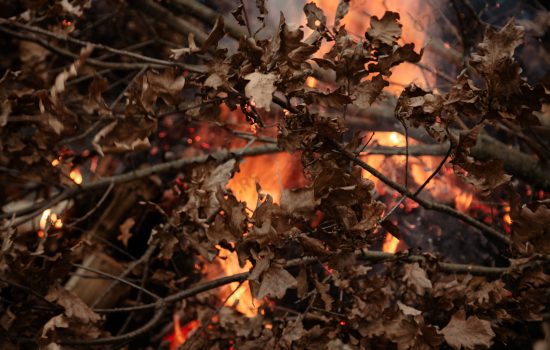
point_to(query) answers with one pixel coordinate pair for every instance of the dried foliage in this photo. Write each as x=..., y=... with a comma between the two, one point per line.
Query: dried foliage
x=308, y=254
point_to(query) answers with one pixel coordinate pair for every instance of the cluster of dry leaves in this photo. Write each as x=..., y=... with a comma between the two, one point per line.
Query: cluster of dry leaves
x=309, y=252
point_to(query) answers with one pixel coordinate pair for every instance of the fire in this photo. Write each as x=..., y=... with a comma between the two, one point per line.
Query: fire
x=181, y=333
x=311, y=82
x=76, y=176
x=273, y=172
x=390, y=244
x=416, y=17
x=463, y=201
x=48, y=217
x=242, y=297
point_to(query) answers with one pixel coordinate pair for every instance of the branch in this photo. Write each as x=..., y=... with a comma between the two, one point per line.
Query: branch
x=485, y=229
x=152, y=61
x=209, y=16
x=219, y=156
x=164, y=15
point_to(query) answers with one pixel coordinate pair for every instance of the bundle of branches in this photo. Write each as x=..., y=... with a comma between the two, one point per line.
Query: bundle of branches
x=115, y=211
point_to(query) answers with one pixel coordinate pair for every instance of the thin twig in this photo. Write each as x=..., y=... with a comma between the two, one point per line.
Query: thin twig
x=130, y=268
x=91, y=211
x=487, y=230
x=119, y=279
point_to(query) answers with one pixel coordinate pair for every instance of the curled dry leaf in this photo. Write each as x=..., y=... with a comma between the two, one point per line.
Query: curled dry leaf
x=341, y=12
x=470, y=333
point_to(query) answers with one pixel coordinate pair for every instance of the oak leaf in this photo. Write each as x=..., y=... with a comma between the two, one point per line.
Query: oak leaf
x=385, y=30
x=275, y=281
x=468, y=333
x=260, y=89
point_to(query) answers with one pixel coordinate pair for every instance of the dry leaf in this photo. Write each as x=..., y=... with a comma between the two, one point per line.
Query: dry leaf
x=125, y=233
x=385, y=30
x=468, y=333
x=275, y=281
x=260, y=89
x=416, y=277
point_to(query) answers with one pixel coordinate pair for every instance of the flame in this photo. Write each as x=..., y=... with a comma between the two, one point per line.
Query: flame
x=44, y=219
x=415, y=16
x=390, y=244
x=76, y=176
x=181, y=333
x=273, y=172
x=48, y=217
x=463, y=200
x=242, y=297
x=311, y=82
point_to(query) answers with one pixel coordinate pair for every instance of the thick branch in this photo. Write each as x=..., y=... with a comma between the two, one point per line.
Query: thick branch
x=220, y=156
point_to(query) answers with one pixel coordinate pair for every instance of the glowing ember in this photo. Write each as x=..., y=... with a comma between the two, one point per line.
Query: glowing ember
x=311, y=82
x=55, y=162
x=181, y=333
x=390, y=244
x=76, y=176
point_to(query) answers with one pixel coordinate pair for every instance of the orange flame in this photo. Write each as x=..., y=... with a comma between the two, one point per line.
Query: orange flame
x=181, y=333
x=390, y=244
x=76, y=176
x=415, y=17
x=242, y=297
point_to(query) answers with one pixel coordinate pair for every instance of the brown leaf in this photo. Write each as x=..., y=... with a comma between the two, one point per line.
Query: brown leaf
x=73, y=305
x=407, y=310
x=238, y=15
x=398, y=55
x=416, y=277
x=293, y=332
x=275, y=281
x=299, y=201
x=497, y=48
x=167, y=86
x=341, y=11
x=323, y=289
x=530, y=226
x=316, y=19
x=72, y=71
x=260, y=89
x=367, y=91
x=215, y=35
x=125, y=233
x=193, y=48
x=385, y=30
x=468, y=333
